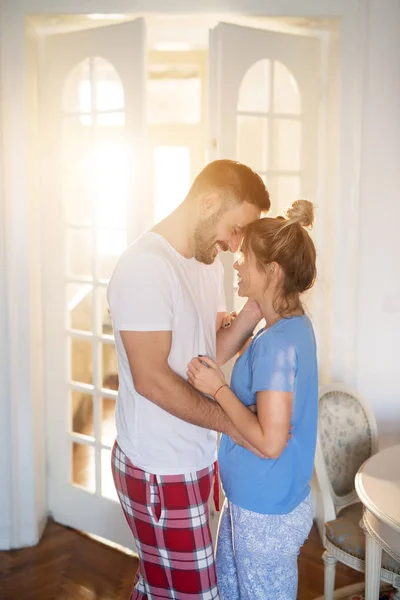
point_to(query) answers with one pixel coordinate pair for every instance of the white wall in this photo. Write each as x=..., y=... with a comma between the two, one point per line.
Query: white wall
x=378, y=323
x=23, y=504
x=6, y=510
x=5, y=417
x=35, y=230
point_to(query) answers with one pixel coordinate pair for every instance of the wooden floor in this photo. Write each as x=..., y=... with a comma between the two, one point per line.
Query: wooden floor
x=67, y=565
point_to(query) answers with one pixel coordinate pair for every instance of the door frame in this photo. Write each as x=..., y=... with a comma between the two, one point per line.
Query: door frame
x=22, y=430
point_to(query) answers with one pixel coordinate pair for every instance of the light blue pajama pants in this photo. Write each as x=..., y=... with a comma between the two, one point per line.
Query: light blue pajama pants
x=257, y=554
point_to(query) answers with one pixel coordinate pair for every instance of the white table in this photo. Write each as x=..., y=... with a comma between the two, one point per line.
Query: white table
x=378, y=487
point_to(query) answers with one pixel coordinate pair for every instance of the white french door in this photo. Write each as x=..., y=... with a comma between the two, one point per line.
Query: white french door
x=263, y=98
x=93, y=125
x=264, y=105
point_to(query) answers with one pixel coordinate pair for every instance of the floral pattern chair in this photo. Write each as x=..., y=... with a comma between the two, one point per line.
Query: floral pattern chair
x=347, y=436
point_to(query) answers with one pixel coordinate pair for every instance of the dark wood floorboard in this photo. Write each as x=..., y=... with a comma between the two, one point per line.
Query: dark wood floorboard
x=67, y=565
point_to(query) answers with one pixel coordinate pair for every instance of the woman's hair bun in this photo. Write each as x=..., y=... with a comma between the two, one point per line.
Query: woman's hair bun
x=302, y=212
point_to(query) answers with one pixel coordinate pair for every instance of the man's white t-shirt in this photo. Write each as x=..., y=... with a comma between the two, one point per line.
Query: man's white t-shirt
x=154, y=288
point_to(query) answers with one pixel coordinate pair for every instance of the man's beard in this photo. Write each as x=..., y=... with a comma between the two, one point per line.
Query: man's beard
x=205, y=244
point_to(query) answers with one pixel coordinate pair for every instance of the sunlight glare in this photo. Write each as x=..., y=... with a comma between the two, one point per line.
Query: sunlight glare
x=110, y=170
x=171, y=178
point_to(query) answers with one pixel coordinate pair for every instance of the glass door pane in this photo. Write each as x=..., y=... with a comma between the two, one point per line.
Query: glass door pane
x=95, y=192
x=269, y=134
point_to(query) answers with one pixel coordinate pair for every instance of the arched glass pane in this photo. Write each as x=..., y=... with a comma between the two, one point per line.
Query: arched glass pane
x=96, y=168
x=286, y=92
x=77, y=90
x=93, y=85
x=254, y=93
x=109, y=90
x=95, y=179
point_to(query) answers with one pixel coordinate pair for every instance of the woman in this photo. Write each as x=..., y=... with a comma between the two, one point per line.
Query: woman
x=267, y=515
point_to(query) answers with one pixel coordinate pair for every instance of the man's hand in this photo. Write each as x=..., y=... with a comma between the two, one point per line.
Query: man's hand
x=228, y=319
x=231, y=339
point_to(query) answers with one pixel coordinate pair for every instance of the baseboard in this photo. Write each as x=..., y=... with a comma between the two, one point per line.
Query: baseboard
x=42, y=525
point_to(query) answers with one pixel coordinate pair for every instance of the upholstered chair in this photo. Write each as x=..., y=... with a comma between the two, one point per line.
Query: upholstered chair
x=347, y=437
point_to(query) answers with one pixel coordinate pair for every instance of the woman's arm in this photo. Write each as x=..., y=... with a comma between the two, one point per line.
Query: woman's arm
x=231, y=339
x=268, y=430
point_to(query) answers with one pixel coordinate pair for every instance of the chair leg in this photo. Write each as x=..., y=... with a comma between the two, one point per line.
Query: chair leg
x=330, y=568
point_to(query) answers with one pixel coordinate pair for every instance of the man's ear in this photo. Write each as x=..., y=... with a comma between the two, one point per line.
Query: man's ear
x=210, y=204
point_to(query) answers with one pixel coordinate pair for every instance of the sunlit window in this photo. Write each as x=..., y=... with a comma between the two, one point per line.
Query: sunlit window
x=286, y=95
x=269, y=129
x=174, y=94
x=96, y=167
x=269, y=132
x=255, y=89
x=171, y=178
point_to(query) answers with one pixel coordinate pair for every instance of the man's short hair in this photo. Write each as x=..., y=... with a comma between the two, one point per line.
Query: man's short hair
x=236, y=181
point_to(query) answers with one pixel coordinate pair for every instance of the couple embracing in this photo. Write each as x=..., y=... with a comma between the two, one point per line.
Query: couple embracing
x=172, y=335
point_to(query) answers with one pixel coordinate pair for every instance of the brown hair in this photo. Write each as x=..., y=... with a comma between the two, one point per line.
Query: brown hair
x=285, y=241
x=236, y=181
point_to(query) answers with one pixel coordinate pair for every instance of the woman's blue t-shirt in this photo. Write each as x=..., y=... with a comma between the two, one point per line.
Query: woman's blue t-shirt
x=281, y=358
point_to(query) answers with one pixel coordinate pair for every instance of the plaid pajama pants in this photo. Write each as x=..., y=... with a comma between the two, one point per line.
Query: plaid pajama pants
x=168, y=516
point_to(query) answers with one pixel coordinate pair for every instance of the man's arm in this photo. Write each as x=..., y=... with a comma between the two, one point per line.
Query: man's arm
x=232, y=339
x=147, y=353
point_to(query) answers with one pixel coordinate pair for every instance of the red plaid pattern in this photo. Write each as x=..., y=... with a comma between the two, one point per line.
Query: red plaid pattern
x=168, y=516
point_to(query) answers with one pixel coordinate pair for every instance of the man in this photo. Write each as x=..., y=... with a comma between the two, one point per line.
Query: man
x=167, y=302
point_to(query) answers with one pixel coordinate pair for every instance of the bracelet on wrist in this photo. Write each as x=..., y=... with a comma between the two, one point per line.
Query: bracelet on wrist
x=220, y=388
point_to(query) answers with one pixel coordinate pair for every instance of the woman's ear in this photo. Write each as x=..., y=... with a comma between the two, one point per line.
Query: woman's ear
x=275, y=270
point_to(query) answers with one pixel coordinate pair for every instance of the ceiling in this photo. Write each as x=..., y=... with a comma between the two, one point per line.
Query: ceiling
x=179, y=32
